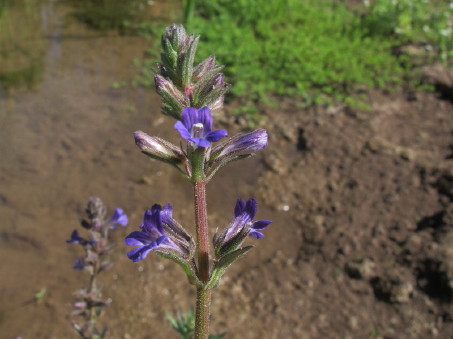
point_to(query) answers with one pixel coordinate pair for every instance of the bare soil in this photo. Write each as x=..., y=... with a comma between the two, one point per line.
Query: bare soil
x=360, y=247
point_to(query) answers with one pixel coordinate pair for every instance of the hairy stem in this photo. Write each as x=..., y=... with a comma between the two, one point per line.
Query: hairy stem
x=202, y=230
x=203, y=296
x=202, y=314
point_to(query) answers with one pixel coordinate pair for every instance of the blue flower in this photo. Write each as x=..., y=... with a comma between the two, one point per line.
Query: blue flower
x=196, y=127
x=79, y=264
x=242, y=226
x=118, y=218
x=76, y=239
x=244, y=212
x=158, y=232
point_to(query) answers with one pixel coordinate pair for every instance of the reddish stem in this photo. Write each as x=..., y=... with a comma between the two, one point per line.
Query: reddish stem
x=203, y=296
x=202, y=230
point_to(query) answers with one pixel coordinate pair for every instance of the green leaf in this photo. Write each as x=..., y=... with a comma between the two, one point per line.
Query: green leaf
x=222, y=264
x=189, y=268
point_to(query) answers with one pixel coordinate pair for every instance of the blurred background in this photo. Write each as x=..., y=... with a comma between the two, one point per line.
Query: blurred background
x=358, y=176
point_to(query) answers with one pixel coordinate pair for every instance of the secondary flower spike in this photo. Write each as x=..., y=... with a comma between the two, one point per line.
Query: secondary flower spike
x=196, y=127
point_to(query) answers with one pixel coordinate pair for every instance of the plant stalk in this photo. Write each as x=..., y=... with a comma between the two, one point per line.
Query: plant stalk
x=203, y=295
x=202, y=230
x=202, y=314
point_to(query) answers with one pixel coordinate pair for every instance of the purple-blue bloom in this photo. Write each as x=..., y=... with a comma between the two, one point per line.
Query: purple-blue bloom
x=118, y=218
x=76, y=238
x=153, y=234
x=196, y=127
x=244, y=212
x=79, y=264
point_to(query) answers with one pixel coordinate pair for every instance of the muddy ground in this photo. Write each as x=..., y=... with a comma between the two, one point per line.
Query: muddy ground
x=360, y=247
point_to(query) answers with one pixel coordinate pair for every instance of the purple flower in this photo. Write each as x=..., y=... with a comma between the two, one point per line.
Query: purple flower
x=76, y=238
x=118, y=218
x=158, y=232
x=79, y=264
x=241, y=226
x=243, y=143
x=196, y=127
x=244, y=212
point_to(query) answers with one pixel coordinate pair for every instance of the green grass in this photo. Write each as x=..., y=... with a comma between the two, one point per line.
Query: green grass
x=418, y=21
x=121, y=15
x=319, y=51
x=315, y=50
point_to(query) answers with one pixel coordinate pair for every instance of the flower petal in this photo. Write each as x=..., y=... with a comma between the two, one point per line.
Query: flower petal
x=138, y=239
x=256, y=234
x=152, y=220
x=119, y=217
x=204, y=116
x=182, y=129
x=261, y=224
x=166, y=213
x=189, y=117
x=239, y=208
x=139, y=253
x=79, y=264
x=250, y=208
x=76, y=238
x=200, y=142
x=216, y=135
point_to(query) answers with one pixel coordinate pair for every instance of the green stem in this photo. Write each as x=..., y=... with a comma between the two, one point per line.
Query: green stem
x=202, y=314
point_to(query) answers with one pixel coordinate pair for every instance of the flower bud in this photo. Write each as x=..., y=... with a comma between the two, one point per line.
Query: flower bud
x=175, y=35
x=166, y=86
x=158, y=148
x=203, y=67
x=243, y=143
x=218, y=81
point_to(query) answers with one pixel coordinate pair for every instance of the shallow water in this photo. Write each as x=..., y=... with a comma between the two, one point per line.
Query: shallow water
x=65, y=135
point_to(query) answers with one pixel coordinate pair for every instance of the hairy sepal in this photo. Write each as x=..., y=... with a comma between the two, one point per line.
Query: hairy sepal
x=222, y=264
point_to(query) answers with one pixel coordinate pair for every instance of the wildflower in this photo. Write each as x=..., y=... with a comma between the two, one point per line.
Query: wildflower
x=160, y=233
x=76, y=239
x=118, y=218
x=196, y=127
x=79, y=264
x=241, y=227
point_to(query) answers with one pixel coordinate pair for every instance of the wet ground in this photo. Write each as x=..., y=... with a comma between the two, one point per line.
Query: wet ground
x=361, y=203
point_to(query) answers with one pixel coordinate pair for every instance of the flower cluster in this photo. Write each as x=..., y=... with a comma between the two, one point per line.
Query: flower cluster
x=160, y=233
x=195, y=127
x=89, y=303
